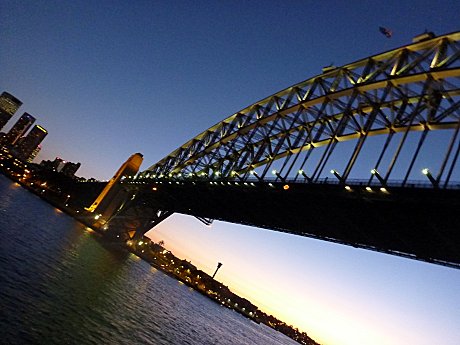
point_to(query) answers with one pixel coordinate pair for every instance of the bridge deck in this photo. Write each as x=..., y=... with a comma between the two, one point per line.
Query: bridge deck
x=419, y=223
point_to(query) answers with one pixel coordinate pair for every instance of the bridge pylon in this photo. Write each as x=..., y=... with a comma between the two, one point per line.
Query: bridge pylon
x=113, y=195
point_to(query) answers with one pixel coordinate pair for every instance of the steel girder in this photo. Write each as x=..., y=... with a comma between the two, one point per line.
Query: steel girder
x=411, y=88
x=134, y=218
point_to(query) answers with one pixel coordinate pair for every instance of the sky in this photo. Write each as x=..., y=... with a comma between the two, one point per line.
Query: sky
x=111, y=78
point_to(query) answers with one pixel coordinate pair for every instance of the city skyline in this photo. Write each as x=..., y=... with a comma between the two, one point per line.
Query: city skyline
x=21, y=142
x=8, y=107
x=20, y=127
x=106, y=90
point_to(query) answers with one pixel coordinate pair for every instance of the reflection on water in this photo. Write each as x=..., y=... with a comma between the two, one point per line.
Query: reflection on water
x=61, y=285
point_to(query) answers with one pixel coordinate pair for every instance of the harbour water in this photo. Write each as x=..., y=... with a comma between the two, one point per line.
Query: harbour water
x=60, y=284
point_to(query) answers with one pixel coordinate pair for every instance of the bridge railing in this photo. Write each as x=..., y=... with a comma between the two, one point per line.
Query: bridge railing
x=326, y=180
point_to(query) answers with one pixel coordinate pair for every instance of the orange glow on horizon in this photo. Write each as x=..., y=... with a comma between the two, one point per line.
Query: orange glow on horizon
x=317, y=293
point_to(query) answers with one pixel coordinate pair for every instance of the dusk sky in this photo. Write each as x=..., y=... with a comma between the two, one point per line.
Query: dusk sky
x=111, y=78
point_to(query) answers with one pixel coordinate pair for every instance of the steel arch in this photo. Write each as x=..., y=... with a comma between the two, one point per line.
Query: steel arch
x=411, y=88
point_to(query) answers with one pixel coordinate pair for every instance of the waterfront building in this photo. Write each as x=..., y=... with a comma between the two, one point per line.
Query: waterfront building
x=8, y=107
x=52, y=165
x=69, y=169
x=34, y=154
x=30, y=142
x=19, y=128
x=59, y=165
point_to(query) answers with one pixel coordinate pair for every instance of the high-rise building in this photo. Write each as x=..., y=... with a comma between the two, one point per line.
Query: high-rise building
x=19, y=128
x=51, y=165
x=69, y=169
x=34, y=154
x=30, y=142
x=8, y=106
x=59, y=165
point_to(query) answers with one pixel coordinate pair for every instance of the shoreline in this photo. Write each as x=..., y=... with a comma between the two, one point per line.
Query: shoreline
x=187, y=273
x=80, y=218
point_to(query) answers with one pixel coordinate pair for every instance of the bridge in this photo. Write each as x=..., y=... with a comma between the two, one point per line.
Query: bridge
x=365, y=154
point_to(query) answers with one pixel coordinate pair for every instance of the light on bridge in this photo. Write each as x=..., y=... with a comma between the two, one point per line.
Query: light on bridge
x=427, y=173
x=277, y=174
x=378, y=176
x=301, y=172
x=253, y=172
x=336, y=174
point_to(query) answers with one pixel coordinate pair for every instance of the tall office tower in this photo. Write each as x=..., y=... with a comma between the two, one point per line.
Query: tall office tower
x=34, y=154
x=19, y=128
x=58, y=162
x=69, y=168
x=8, y=106
x=30, y=143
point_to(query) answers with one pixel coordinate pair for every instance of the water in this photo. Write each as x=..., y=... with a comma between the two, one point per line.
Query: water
x=59, y=284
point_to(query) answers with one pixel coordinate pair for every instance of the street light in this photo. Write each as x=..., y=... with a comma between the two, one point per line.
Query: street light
x=277, y=174
x=336, y=174
x=301, y=172
x=253, y=172
x=379, y=177
x=430, y=177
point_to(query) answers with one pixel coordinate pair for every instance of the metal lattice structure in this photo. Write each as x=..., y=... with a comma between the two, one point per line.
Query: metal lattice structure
x=397, y=97
x=411, y=88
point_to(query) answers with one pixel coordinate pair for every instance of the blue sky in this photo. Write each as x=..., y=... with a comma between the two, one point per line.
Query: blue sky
x=111, y=78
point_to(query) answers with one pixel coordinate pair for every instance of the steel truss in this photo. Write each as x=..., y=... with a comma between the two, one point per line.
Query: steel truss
x=134, y=218
x=411, y=88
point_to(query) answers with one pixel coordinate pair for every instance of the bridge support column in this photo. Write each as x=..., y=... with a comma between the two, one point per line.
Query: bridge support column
x=134, y=219
x=113, y=194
